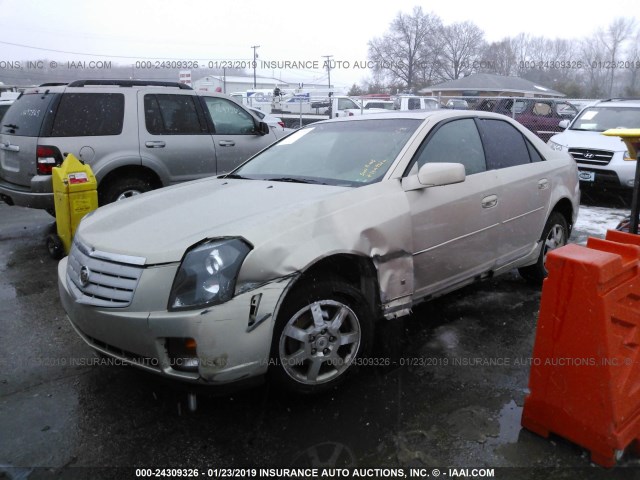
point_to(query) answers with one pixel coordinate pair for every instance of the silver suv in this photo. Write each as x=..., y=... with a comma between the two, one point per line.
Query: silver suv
x=136, y=135
x=603, y=161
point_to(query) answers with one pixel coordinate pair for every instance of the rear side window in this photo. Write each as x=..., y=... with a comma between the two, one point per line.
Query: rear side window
x=504, y=145
x=26, y=115
x=89, y=115
x=172, y=115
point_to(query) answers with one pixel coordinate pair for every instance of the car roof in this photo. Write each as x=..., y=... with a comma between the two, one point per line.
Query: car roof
x=437, y=115
x=618, y=102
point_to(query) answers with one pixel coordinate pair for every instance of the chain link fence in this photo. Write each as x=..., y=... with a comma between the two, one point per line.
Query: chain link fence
x=540, y=115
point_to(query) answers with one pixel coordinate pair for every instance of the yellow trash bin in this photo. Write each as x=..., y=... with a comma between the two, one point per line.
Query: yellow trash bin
x=75, y=194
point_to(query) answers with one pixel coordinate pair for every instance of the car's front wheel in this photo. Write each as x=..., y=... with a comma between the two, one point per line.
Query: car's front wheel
x=322, y=331
x=554, y=235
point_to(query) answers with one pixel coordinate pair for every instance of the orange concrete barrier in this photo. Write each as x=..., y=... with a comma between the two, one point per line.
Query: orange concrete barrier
x=585, y=374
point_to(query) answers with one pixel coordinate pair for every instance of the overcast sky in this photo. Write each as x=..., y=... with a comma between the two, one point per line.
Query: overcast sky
x=126, y=31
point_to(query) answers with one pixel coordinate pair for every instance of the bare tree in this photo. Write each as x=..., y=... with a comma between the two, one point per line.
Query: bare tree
x=462, y=45
x=404, y=50
x=593, y=57
x=632, y=87
x=499, y=58
x=612, y=39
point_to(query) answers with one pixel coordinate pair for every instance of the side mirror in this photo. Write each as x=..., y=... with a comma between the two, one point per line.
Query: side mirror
x=263, y=128
x=564, y=124
x=435, y=175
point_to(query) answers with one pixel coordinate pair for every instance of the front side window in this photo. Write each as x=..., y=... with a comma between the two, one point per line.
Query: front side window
x=345, y=103
x=228, y=118
x=89, y=114
x=456, y=141
x=171, y=115
x=347, y=153
x=504, y=145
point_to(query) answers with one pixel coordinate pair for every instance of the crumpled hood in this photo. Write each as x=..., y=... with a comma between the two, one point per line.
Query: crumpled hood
x=159, y=226
x=585, y=139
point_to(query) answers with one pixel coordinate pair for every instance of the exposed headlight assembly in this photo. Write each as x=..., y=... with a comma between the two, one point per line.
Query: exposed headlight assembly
x=207, y=275
x=555, y=146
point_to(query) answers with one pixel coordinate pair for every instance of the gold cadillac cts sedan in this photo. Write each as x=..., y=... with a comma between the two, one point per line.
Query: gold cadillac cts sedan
x=284, y=267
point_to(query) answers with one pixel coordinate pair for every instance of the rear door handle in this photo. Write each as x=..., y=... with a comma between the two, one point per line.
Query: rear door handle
x=226, y=143
x=489, y=201
x=155, y=144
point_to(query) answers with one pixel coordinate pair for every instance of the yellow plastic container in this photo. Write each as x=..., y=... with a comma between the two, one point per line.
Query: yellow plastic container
x=75, y=193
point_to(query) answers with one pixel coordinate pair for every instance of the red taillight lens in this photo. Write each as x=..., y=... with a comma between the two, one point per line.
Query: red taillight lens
x=281, y=124
x=47, y=158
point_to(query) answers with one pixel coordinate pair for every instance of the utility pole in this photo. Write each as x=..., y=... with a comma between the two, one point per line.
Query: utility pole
x=327, y=61
x=254, y=64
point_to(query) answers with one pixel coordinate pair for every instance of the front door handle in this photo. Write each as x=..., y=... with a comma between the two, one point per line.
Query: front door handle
x=226, y=143
x=543, y=184
x=489, y=201
x=155, y=144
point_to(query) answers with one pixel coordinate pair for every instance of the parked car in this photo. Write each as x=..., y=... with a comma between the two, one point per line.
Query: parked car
x=267, y=118
x=540, y=115
x=6, y=100
x=340, y=225
x=603, y=162
x=457, y=104
x=135, y=135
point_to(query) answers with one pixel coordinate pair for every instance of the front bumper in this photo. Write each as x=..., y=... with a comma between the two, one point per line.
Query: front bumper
x=617, y=174
x=233, y=339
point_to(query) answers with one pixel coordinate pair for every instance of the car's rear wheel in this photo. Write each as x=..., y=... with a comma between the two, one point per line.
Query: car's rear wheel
x=322, y=331
x=122, y=188
x=554, y=235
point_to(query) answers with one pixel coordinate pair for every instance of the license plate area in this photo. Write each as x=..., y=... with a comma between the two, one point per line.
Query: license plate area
x=585, y=176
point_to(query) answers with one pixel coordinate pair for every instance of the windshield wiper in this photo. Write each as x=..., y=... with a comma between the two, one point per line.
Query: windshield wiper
x=295, y=180
x=234, y=176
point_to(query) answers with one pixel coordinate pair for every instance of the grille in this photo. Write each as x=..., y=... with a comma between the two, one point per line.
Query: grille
x=587, y=156
x=100, y=282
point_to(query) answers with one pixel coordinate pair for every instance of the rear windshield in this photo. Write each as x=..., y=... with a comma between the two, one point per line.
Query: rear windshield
x=26, y=115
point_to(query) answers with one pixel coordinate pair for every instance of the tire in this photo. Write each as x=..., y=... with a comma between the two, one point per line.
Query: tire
x=310, y=356
x=122, y=188
x=55, y=246
x=554, y=235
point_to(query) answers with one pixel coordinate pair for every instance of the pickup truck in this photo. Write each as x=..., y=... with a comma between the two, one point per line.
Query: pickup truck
x=540, y=115
x=413, y=102
x=302, y=109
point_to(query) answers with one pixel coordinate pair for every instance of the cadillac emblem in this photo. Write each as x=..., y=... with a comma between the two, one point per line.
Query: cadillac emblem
x=85, y=274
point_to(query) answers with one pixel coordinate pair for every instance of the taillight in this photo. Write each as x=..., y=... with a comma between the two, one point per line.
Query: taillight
x=47, y=158
x=281, y=124
x=351, y=114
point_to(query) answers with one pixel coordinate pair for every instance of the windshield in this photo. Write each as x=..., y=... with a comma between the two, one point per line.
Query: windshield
x=342, y=153
x=599, y=119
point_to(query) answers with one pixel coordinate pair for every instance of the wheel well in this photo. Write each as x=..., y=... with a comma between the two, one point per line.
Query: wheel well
x=356, y=270
x=132, y=171
x=564, y=208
